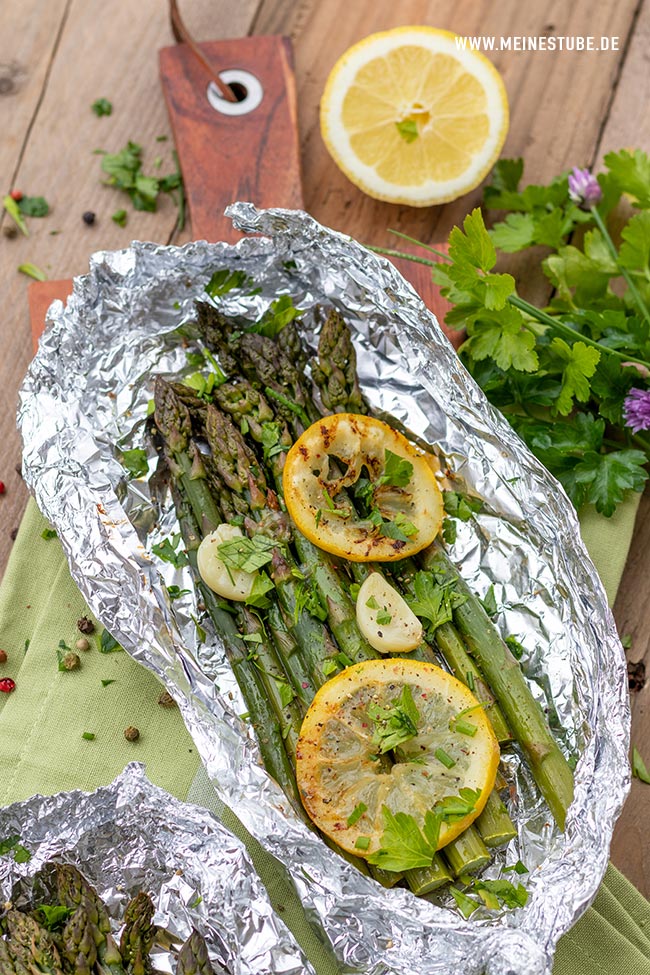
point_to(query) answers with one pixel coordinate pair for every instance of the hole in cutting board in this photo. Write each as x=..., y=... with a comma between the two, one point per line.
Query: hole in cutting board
x=245, y=86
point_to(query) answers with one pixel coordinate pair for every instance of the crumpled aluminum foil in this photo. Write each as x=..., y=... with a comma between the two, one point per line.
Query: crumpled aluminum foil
x=86, y=394
x=131, y=836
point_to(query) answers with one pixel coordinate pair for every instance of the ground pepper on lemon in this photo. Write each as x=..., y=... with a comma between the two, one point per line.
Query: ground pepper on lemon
x=440, y=742
x=411, y=117
x=394, y=481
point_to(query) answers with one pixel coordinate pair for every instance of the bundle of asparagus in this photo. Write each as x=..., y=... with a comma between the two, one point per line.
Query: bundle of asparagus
x=225, y=446
x=68, y=932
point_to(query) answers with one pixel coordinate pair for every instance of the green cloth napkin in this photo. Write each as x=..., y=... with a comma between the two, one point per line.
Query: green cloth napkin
x=43, y=721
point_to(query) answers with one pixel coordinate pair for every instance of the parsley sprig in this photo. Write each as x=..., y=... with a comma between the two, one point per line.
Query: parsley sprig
x=561, y=374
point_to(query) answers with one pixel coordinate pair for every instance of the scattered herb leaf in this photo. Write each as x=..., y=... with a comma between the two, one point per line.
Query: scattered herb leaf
x=102, y=106
x=34, y=206
x=108, y=643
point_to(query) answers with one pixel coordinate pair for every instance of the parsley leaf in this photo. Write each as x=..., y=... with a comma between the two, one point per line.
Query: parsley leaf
x=603, y=479
x=630, y=173
x=279, y=313
x=431, y=602
x=579, y=363
x=34, y=206
x=225, y=280
x=52, y=916
x=397, y=471
x=394, y=725
x=634, y=252
x=404, y=846
x=461, y=506
x=166, y=550
x=135, y=462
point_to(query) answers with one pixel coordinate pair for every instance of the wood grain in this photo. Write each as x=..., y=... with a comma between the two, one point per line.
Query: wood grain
x=253, y=157
x=628, y=125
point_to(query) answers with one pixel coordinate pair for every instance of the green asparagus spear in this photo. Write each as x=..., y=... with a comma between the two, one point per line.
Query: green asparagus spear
x=31, y=946
x=138, y=935
x=193, y=958
x=523, y=714
x=74, y=891
x=78, y=948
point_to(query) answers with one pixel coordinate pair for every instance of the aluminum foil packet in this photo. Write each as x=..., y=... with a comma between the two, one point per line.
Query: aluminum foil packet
x=85, y=399
x=132, y=836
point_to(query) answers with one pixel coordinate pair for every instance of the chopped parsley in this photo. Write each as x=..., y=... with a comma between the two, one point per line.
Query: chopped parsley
x=175, y=592
x=102, y=106
x=88, y=736
x=247, y=554
x=408, y=129
x=257, y=596
x=372, y=603
x=48, y=533
x=461, y=506
x=383, y=617
x=13, y=845
x=394, y=725
x=225, y=280
x=431, y=602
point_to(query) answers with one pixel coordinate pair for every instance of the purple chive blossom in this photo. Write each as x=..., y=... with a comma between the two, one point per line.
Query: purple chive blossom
x=584, y=189
x=636, y=409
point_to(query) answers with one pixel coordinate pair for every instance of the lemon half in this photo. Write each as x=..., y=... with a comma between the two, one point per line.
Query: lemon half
x=410, y=117
x=344, y=783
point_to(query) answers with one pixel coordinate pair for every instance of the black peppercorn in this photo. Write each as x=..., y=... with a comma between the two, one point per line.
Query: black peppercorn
x=89, y=217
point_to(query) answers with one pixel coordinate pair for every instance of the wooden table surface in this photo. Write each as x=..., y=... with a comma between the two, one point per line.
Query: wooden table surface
x=58, y=56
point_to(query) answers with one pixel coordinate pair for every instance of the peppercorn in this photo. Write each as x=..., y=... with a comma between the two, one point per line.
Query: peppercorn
x=88, y=217
x=71, y=661
x=7, y=685
x=131, y=733
x=85, y=625
x=10, y=230
x=16, y=195
x=3, y=657
x=166, y=700
x=82, y=644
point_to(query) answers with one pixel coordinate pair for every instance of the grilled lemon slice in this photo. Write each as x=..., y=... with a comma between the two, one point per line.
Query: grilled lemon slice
x=396, y=735
x=389, y=478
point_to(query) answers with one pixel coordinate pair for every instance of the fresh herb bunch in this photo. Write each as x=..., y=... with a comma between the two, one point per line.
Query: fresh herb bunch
x=571, y=378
